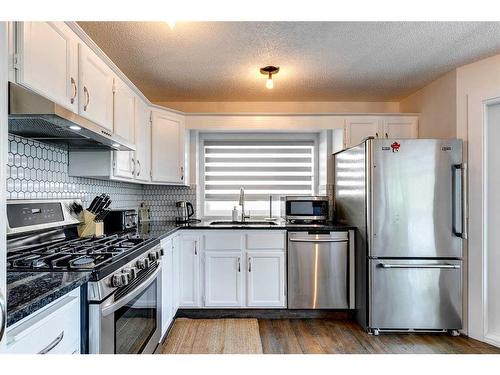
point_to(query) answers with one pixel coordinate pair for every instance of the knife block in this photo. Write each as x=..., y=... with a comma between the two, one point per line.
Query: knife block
x=89, y=227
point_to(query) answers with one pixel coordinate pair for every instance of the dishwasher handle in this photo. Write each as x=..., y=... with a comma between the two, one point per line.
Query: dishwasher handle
x=441, y=266
x=317, y=240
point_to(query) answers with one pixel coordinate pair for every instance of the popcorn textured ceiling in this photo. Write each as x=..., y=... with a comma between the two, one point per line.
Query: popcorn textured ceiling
x=319, y=61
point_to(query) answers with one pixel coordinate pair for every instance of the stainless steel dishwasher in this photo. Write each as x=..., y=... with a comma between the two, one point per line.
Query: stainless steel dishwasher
x=320, y=275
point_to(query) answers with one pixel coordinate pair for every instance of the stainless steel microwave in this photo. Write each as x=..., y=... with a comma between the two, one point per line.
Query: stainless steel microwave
x=306, y=208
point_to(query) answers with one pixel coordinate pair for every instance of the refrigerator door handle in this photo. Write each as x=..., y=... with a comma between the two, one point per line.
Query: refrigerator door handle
x=460, y=199
x=440, y=266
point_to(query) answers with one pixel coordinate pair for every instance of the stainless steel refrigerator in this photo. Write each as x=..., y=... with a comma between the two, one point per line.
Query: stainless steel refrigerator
x=407, y=199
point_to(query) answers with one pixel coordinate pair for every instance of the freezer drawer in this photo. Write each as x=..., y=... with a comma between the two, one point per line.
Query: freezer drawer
x=415, y=294
x=318, y=271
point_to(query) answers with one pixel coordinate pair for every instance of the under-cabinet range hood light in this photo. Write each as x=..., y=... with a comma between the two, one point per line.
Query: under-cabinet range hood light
x=35, y=117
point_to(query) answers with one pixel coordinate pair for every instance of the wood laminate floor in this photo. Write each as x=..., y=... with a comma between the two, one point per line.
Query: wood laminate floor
x=309, y=336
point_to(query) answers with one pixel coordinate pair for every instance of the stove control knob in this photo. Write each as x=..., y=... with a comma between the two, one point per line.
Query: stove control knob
x=130, y=273
x=142, y=264
x=124, y=278
x=152, y=256
x=159, y=253
x=116, y=281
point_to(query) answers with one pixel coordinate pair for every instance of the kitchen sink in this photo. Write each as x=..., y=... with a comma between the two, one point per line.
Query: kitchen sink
x=243, y=223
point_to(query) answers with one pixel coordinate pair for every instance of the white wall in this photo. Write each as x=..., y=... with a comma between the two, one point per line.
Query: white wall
x=437, y=106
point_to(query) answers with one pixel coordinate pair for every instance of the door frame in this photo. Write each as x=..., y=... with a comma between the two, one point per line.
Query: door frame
x=478, y=211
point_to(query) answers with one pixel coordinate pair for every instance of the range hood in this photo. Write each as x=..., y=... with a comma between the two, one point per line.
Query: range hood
x=36, y=117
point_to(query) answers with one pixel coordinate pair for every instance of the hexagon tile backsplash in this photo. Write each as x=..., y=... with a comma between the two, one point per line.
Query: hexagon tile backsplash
x=38, y=170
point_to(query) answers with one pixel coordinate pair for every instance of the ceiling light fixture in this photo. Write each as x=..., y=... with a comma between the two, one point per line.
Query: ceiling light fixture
x=269, y=71
x=171, y=23
x=75, y=127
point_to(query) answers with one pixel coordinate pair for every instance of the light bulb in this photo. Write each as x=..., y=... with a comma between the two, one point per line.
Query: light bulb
x=269, y=83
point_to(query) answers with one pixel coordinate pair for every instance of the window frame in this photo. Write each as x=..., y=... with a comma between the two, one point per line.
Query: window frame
x=229, y=135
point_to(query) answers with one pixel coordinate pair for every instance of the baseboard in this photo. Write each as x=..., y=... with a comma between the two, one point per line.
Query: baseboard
x=264, y=314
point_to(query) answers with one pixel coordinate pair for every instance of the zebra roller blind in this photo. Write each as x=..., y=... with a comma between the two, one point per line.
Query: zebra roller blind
x=263, y=167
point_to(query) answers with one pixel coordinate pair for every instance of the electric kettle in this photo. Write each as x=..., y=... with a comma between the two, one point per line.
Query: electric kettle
x=184, y=212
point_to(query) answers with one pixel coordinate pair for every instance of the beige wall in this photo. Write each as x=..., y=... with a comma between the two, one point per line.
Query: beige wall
x=283, y=107
x=437, y=106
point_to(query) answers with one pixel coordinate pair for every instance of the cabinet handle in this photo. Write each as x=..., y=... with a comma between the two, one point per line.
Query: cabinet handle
x=139, y=165
x=249, y=264
x=132, y=165
x=87, y=96
x=75, y=90
x=386, y=135
x=195, y=248
x=182, y=173
x=53, y=344
x=376, y=135
x=239, y=264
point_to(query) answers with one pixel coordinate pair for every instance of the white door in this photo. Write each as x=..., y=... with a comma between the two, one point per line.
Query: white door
x=265, y=278
x=95, y=91
x=142, y=141
x=167, y=148
x=400, y=127
x=484, y=216
x=124, y=126
x=166, y=286
x=48, y=61
x=190, y=295
x=359, y=128
x=223, y=278
x=3, y=161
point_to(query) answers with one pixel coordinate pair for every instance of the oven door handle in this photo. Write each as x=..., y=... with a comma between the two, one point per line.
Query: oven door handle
x=316, y=240
x=130, y=296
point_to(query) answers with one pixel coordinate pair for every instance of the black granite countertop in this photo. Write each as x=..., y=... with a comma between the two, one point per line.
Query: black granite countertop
x=28, y=292
x=163, y=229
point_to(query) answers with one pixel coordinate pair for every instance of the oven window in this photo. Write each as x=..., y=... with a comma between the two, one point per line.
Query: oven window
x=135, y=322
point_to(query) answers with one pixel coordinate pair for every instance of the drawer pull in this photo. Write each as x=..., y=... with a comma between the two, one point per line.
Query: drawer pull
x=53, y=344
x=443, y=266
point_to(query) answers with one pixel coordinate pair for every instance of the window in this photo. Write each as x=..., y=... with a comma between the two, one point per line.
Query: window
x=264, y=165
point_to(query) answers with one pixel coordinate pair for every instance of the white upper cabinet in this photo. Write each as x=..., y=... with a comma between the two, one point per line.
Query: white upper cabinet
x=123, y=111
x=124, y=126
x=358, y=128
x=167, y=147
x=142, y=141
x=47, y=61
x=95, y=91
x=400, y=127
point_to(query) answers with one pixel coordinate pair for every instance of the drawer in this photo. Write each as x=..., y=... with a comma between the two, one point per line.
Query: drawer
x=270, y=240
x=223, y=240
x=54, y=330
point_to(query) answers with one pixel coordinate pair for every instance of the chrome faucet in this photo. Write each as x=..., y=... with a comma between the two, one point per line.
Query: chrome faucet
x=242, y=204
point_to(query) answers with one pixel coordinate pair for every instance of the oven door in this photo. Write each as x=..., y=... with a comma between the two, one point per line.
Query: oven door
x=128, y=322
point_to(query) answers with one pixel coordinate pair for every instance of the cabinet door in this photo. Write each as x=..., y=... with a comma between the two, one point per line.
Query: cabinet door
x=166, y=286
x=48, y=61
x=142, y=141
x=123, y=111
x=124, y=164
x=190, y=295
x=223, y=280
x=359, y=128
x=167, y=148
x=265, y=278
x=95, y=91
x=400, y=127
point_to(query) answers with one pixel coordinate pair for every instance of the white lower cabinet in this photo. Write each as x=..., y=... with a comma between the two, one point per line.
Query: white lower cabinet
x=167, y=285
x=265, y=278
x=233, y=269
x=189, y=266
x=55, y=329
x=223, y=278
